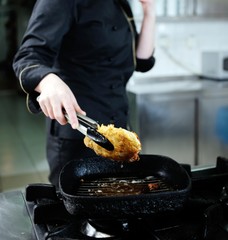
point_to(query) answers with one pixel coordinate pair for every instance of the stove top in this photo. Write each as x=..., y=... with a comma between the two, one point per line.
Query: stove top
x=204, y=216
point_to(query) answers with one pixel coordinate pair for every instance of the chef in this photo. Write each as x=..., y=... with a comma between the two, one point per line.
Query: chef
x=78, y=55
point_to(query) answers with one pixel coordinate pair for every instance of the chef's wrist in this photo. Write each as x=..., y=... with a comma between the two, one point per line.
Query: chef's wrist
x=149, y=9
x=44, y=81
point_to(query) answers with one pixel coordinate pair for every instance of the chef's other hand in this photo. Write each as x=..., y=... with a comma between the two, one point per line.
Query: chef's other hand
x=55, y=96
x=148, y=6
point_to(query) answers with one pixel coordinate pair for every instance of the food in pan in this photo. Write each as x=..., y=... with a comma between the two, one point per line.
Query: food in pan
x=122, y=186
x=153, y=186
x=126, y=144
x=122, y=189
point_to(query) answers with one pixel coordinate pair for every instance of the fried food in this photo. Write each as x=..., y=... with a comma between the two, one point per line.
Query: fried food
x=126, y=144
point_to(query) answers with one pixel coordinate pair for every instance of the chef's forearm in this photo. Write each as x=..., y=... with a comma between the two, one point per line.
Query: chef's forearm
x=146, y=41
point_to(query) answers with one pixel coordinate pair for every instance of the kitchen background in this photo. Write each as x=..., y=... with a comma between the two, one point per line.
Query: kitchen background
x=179, y=109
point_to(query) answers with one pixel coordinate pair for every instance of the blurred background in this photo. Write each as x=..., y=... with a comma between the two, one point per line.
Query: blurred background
x=179, y=109
x=22, y=138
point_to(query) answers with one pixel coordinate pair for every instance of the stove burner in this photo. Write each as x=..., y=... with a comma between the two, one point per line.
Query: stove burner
x=89, y=230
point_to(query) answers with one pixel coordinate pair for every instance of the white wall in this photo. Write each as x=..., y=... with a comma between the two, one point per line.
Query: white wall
x=180, y=42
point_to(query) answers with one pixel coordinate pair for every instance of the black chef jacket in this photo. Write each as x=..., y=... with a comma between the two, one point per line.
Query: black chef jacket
x=89, y=44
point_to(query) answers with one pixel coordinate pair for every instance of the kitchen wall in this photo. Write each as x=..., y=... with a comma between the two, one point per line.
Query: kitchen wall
x=180, y=40
x=179, y=45
x=177, y=8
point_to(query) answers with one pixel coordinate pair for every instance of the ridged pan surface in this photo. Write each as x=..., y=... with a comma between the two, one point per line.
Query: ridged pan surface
x=85, y=186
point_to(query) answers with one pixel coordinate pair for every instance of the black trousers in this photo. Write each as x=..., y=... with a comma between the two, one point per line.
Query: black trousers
x=60, y=152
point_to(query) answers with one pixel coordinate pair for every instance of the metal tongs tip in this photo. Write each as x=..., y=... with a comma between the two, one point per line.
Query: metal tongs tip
x=88, y=127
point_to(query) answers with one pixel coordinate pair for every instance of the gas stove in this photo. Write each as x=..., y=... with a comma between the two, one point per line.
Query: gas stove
x=204, y=216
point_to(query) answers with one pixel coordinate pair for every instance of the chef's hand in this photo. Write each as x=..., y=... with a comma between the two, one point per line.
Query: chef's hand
x=148, y=6
x=55, y=96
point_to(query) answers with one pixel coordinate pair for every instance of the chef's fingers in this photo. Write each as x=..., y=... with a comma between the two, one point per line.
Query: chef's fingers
x=56, y=109
x=44, y=110
x=59, y=114
x=71, y=111
x=78, y=108
x=52, y=108
x=71, y=116
x=44, y=107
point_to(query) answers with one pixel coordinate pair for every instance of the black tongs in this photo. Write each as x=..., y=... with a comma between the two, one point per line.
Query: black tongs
x=88, y=127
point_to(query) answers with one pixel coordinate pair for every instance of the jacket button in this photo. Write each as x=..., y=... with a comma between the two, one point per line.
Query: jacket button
x=113, y=119
x=114, y=28
x=114, y=85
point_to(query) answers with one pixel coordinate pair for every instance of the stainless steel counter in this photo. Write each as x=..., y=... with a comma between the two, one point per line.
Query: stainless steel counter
x=15, y=222
x=179, y=117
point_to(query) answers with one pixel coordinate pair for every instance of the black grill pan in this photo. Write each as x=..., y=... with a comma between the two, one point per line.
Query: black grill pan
x=85, y=183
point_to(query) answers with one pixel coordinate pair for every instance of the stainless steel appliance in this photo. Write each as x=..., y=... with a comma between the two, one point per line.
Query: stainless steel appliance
x=181, y=117
x=211, y=8
x=215, y=64
x=162, y=113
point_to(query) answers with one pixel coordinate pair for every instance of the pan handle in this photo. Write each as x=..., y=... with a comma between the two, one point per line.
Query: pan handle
x=37, y=191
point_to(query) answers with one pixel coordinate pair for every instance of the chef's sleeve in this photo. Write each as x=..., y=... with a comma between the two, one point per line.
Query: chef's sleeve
x=144, y=65
x=49, y=22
